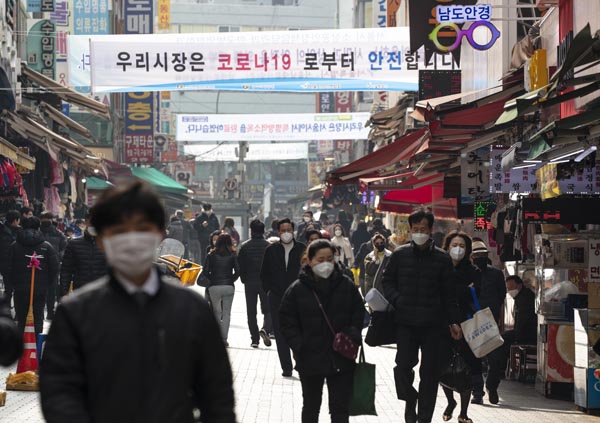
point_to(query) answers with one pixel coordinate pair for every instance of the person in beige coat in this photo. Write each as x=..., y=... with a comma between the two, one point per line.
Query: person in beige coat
x=340, y=240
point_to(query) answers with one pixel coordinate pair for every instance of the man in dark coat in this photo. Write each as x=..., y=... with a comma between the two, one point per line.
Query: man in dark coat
x=30, y=242
x=250, y=258
x=417, y=284
x=132, y=347
x=59, y=243
x=379, y=227
x=280, y=267
x=493, y=294
x=83, y=262
x=8, y=235
x=11, y=340
x=206, y=224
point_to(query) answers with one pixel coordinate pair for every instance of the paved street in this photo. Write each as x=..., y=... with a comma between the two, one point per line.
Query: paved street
x=264, y=396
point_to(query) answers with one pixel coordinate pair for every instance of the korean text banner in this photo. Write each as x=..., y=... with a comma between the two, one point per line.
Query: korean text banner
x=372, y=59
x=256, y=152
x=273, y=127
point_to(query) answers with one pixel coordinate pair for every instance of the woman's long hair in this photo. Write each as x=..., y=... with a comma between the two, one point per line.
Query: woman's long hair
x=224, y=245
x=228, y=223
x=468, y=243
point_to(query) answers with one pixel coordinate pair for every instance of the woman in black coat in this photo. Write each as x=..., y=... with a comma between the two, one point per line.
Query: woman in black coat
x=466, y=275
x=307, y=333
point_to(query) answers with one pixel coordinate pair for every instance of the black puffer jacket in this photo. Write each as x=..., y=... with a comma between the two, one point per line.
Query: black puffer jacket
x=464, y=275
x=55, y=238
x=8, y=235
x=493, y=290
x=305, y=329
x=107, y=360
x=222, y=269
x=11, y=340
x=19, y=274
x=176, y=231
x=274, y=274
x=250, y=257
x=83, y=262
x=418, y=284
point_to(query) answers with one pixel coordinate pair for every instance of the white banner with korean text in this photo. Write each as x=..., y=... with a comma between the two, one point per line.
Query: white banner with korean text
x=272, y=127
x=256, y=152
x=368, y=59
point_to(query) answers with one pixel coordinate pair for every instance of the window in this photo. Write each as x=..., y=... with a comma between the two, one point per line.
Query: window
x=229, y=28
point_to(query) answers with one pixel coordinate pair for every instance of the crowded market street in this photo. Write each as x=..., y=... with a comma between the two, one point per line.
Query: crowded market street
x=262, y=395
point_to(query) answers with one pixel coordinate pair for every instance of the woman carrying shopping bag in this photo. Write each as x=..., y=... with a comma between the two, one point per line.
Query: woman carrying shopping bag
x=317, y=311
x=465, y=276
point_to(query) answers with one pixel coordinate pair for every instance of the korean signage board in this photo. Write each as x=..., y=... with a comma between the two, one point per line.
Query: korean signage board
x=40, y=6
x=41, y=48
x=368, y=59
x=256, y=152
x=475, y=175
x=525, y=181
x=326, y=102
x=343, y=102
x=482, y=215
x=594, y=261
x=91, y=17
x=564, y=210
x=272, y=127
x=164, y=14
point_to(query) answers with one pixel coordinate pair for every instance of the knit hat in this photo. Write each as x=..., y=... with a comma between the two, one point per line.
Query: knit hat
x=479, y=247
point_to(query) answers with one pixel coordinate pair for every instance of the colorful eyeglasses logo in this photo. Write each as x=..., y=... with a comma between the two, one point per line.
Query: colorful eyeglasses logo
x=464, y=33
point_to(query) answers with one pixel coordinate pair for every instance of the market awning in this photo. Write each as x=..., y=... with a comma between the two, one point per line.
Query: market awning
x=63, y=120
x=97, y=184
x=392, y=154
x=584, y=50
x=13, y=153
x=64, y=93
x=159, y=180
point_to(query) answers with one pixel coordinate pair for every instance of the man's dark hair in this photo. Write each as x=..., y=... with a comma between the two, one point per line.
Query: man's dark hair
x=31, y=223
x=317, y=245
x=307, y=234
x=453, y=234
x=275, y=224
x=12, y=216
x=257, y=227
x=308, y=212
x=206, y=206
x=419, y=215
x=26, y=210
x=377, y=222
x=118, y=204
x=284, y=221
x=362, y=226
x=515, y=278
x=47, y=215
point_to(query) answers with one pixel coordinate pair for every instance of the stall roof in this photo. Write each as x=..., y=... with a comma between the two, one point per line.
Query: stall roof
x=159, y=180
x=97, y=184
x=13, y=153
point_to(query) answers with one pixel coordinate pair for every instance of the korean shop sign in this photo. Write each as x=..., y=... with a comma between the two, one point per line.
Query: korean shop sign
x=482, y=215
x=41, y=48
x=371, y=59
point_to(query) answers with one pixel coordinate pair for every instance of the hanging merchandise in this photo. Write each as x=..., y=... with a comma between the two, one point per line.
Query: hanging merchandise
x=56, y=172
x=52, y=200
x=12, y=194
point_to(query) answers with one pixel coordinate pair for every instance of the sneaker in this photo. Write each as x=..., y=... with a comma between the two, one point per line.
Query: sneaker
x=265, y=337
x=254, y=345
x=493, y=396
x=477, y=400
x=271, y=335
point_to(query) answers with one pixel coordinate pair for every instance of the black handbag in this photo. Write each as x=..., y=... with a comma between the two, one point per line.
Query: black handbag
x=456, y=375
x=204, y=277
x=382, y=329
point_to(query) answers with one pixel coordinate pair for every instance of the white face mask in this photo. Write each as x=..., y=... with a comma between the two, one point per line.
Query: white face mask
x=208, y=212
x=420, y=239
x=132, y=253
x=513, y=292
x=306, y=219
x=338, y=233
x=323, y=270
x=457, y=253
x=286, y=237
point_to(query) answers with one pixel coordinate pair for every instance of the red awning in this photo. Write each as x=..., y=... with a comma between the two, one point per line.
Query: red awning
x=401, y=149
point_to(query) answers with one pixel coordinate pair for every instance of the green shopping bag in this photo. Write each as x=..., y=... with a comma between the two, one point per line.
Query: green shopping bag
x=362, y=402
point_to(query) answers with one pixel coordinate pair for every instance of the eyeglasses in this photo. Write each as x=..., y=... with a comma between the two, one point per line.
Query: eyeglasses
x=464, y=33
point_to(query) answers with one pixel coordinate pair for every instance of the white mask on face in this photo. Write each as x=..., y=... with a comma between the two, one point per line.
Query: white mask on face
x=420, y=239
x=286, y=237
x=132, y=253
x=457, y=253
x=208, y=212
x=513, y=292
x=338, y=233
x=323, y=270
x=306, y=219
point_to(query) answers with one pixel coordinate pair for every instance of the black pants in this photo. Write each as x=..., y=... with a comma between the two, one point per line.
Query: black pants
x=497, y=361
x=51, y=299
x=285, y=356
x=253, y=293
x=474, y=363
x=339, y=387
x=410, y=341
x=22, y=307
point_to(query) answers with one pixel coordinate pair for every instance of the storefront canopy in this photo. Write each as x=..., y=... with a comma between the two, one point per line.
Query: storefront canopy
x=13, y=153
x=97, y=184
x=160, y=181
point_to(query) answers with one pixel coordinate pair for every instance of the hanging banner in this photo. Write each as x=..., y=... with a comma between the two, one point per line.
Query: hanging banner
x=272, y=127
x=369, y=59
x=256, y=152
x=164, y=14
x=475, y=176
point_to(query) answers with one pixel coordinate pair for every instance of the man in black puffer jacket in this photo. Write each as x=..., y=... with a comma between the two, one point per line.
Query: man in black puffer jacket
x=417, y=284
x=8, y=235
x=31, y=241
x=59, y=243
x=83, y=262
x=250, y=257
x=11, y=341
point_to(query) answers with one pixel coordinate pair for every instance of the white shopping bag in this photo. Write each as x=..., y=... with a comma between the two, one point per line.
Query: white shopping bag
x=481, y=333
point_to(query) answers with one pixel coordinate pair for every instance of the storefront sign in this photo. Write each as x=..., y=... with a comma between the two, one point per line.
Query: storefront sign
x=439, y=83
x=164, y=14
x=380, y=13
x=34, y=6
x=475, y=176
x=564, y=210
x=482, y=215
x=343, y=102
x=369, y=59
x=325, y=103
x=47, y=5
x=139, y=129
x=272, y=127
x=256, y=152
x=449, y=16
x=139, y=148
x=41, y=48
x=594, y=261
x=91, y=17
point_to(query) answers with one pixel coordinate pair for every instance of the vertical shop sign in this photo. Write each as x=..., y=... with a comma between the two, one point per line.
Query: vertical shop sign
x=475, y=175
x=34, y=6
x=164, y=14
x=91, y=17
x=48, y=49
x=139, y=107
x=594, y=261
x=342, y=151
x=482, y=212
x=47, y=5
x=325, y=103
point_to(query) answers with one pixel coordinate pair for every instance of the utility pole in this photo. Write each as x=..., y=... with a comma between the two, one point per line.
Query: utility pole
x=241, y=168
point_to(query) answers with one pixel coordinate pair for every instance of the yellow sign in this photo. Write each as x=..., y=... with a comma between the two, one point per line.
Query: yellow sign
x=538, y=70
x=548, y=183
x=164, y=14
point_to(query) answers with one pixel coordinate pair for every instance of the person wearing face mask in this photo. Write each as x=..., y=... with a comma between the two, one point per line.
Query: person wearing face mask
x=339, y=240
x=493, y=294
x=132, y=346
x=418, y=285
x=465, y=276
x=205, y=224
x=307, y=333
x=307, y=220
x=375, y=264
x=59, y=243
x=280, y=268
